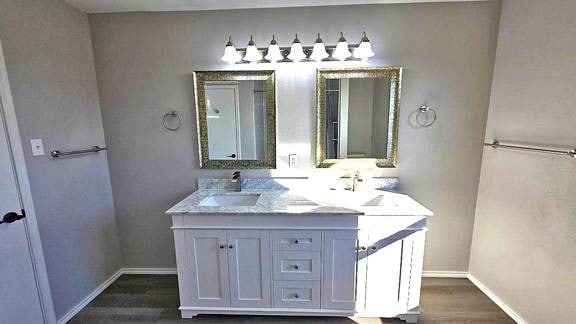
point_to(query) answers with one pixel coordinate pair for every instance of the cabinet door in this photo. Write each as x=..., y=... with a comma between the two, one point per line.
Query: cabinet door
x=208, y=264
x=249, y=259
x=339, y=281
x=384, y=278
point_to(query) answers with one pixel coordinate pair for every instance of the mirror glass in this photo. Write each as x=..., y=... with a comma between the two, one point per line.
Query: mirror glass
x=236, y=114
x=357, y=118
x=358, y=114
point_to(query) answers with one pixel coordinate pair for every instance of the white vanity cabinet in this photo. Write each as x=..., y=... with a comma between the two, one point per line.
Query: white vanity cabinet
x=299, y=265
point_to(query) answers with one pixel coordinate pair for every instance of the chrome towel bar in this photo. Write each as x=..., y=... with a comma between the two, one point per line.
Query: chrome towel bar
x=94, y=149
x=496, y=144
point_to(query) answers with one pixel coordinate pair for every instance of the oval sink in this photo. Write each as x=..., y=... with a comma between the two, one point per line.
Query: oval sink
x=230, y=199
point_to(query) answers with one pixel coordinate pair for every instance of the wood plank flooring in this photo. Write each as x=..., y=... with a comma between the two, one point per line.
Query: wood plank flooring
x=154, y=299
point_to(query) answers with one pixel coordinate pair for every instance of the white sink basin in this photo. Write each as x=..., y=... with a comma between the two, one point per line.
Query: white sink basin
x=230, y=199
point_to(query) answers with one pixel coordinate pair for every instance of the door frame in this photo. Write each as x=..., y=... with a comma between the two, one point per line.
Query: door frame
x=25, y=194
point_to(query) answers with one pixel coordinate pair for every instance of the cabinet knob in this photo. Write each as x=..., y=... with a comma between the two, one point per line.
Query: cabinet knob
x=296, y=296
x=373, y=248
x=230, y=246
x=222, y=246
x=361, y=248
x=295, y=267
x=296, y=242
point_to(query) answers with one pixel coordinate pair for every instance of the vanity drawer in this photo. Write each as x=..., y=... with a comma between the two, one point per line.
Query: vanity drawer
x=296, y=265
x=296, y=240
x=297, y=294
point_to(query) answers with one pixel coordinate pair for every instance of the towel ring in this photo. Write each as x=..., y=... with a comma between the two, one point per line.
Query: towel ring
x=424, y=110
x=169, y=114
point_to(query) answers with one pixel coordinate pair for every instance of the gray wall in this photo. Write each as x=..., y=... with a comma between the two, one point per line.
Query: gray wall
x=523, y=247
x=51, y=69
x=144, y=64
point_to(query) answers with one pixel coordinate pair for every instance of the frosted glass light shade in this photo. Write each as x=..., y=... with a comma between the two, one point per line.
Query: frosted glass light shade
x=231, y=55
x=274, y=54
x=252, y=53
x=341, y=52
x=364, y=50
x=296, y=51
x=319, y=51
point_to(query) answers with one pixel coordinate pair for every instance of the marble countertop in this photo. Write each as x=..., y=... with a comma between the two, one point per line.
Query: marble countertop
x=303, y=200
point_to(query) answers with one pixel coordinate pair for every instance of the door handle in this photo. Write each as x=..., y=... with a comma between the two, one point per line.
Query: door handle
x=11, y=217
x=231, y=155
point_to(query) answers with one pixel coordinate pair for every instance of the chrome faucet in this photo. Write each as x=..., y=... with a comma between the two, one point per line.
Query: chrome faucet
x=356, y=180
x=236, y=181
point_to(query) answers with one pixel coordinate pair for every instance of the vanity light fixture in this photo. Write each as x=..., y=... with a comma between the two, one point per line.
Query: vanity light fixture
x=319, y=51
x=252, y=53
x=341, y=52
x=364, y=50
x=296, y=51
x=231, y=55
x=274, y=54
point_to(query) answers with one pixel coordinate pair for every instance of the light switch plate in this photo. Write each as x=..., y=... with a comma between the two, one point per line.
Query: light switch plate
x=292, y=160
x=37, y=147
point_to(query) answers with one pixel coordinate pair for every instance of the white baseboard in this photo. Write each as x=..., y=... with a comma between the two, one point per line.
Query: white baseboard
x=507, y=309
x=76, y=309
x=445, y=274
x=149, y=271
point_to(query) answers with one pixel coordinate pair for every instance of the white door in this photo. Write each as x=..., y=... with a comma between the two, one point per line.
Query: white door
x=222, y=115
x=339, y=282
x=249, y=261
x=208, y=258
x=19, y=296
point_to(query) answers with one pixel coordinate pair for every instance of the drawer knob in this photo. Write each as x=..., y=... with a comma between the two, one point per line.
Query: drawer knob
x=374, y=248
x=295, y=267
x=230, y=246
x=222, y=246
x=295, y=296
x=296, y=242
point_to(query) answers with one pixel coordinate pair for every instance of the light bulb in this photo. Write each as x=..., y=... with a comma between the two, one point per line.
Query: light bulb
x=364, y=50
x=231, y=56
x=296, y=51
x=341, y=52
x=274, y=54
x=319, y=51
x=252, y=53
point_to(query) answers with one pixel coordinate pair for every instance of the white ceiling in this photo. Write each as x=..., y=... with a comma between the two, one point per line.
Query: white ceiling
x=100, y=6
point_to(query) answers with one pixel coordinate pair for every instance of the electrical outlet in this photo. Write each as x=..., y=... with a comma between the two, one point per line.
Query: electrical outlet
x=293, y=160
x=37, y=147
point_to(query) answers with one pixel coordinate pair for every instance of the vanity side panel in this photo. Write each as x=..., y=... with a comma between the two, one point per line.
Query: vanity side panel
x=419, y=241
x=339, y=280
x=182, y=264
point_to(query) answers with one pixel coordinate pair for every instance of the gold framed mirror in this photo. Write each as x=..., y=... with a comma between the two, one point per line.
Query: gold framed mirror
x=236, y=116
x=357, y=117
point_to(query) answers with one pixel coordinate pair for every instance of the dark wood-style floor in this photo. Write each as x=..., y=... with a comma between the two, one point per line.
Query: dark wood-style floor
x=154, y=299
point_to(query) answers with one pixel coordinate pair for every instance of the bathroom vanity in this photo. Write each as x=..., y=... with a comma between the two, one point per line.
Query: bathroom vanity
x=313, y=252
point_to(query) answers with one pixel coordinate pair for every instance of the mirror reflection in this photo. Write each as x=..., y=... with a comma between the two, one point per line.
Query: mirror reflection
x=357, y=112
x=236, y=116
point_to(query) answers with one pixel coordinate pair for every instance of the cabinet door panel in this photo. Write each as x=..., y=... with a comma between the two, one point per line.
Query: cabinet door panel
x=339, y=280
x=209, y=267
x=249, y=259
x=383, y=277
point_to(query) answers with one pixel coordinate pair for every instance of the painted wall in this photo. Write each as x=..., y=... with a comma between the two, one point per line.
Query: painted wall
x=524, y=239
x=144, y=65
x=51, y=69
